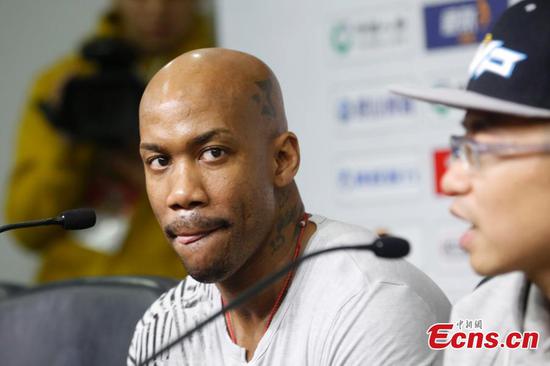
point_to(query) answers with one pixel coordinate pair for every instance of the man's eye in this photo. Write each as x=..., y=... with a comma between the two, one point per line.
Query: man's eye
x=213, y=154
x=158, y=162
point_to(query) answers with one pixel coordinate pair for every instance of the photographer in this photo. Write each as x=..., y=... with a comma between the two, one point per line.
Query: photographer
x=77, y=144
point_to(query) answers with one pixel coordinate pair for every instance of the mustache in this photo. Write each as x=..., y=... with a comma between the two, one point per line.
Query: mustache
x=195, y=222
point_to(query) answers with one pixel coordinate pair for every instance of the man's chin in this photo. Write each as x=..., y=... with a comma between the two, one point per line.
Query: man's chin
x=486, y=267
x=207, y=275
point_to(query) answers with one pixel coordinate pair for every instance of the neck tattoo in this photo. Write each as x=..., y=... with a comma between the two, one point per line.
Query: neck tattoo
x=282, y=293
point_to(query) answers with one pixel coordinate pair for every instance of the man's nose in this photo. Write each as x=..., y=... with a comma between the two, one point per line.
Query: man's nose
x=187, y=190
x=456, y=180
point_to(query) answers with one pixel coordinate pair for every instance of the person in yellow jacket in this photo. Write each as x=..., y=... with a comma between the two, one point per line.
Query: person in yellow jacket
x=56, y=168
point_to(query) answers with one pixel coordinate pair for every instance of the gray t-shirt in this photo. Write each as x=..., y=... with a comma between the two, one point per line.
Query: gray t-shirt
x=345, y=308
x=506, y=303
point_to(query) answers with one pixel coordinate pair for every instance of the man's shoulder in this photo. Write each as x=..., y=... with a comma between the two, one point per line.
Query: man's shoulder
x=188, y=295
x=496, y=305
x=175, y=312
x=372, y=272
x=332, y=233
x=494, y=297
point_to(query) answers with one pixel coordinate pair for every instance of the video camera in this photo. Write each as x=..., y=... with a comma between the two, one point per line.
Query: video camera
x=102, y=108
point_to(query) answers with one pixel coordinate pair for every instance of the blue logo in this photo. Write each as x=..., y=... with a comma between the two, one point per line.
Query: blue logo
x=377, y=177
x=363, y=108
x=461, y=22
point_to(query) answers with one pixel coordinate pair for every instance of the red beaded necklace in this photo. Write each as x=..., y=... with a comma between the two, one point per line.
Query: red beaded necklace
x=279, y=300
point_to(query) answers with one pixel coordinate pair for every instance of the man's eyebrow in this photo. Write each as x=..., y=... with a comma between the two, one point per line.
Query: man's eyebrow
x=151, y=147
x=195, y=141
x=207, y=136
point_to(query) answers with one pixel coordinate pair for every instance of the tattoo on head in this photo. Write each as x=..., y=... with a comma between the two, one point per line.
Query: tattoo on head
x=265, y=101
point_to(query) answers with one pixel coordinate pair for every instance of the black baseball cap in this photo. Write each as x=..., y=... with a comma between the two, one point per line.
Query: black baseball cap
x=510, y=73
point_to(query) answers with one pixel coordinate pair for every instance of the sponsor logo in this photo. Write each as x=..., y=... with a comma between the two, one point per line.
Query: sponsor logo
x=375, y=181
x=441, y=159
x=341, y=38
x=451, y=249
x=364, y=108
x=358, y=33
x=448, y=246
x=461, y=22
x=378, y=177
x=469, y=334
x=493, y=57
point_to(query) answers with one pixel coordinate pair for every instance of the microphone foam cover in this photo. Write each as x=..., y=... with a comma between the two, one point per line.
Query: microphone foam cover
x=391, y=247
x=78, y=218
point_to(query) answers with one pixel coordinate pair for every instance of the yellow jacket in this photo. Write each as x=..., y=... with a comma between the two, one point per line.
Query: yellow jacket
x=50, y=174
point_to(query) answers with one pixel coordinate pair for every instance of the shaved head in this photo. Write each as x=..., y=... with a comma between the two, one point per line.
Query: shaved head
x=236, y=79
x=219, y=161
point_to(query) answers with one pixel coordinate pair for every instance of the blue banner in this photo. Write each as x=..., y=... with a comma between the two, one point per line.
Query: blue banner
x=461, y=22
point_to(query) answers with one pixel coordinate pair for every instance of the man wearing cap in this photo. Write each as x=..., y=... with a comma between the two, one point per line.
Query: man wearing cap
x=500, y=179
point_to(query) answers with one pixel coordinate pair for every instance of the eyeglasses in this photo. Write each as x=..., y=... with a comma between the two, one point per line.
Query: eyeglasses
x=468, y=150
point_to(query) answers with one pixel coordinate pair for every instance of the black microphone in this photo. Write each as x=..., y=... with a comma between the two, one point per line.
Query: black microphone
x=384, y=247
x=389, y=247
x=76, y=219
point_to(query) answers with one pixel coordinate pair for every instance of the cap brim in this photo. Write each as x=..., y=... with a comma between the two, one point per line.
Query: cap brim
x=465, y=99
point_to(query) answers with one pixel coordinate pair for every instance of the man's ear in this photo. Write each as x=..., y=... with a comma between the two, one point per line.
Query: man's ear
x=286, y=159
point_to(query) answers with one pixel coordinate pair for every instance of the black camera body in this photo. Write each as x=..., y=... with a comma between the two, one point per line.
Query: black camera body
x=102, y=108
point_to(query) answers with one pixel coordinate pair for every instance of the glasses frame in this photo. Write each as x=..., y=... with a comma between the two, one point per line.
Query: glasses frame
x=468, y=151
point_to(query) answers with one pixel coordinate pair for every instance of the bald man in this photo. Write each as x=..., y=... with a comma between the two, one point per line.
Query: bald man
x=220, y=167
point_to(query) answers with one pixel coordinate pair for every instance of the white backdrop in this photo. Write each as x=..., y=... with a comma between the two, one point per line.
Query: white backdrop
x=368, y=157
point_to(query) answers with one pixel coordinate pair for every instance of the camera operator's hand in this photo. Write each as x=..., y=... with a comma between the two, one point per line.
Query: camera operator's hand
x=51, y=106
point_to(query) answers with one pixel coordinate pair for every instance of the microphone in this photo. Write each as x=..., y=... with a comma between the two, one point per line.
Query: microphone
x=389, y=247
x=75, y=219
x=384, y=247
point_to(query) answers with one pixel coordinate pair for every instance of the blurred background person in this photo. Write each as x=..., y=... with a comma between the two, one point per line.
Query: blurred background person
x=77, y=144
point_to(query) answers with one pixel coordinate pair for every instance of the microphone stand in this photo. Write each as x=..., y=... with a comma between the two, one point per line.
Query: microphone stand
x=19, y=225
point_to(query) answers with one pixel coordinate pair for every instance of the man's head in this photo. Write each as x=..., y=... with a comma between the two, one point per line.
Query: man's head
x=156, y=26
x=219, y=161
x=503, y=193
x=501, y=181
